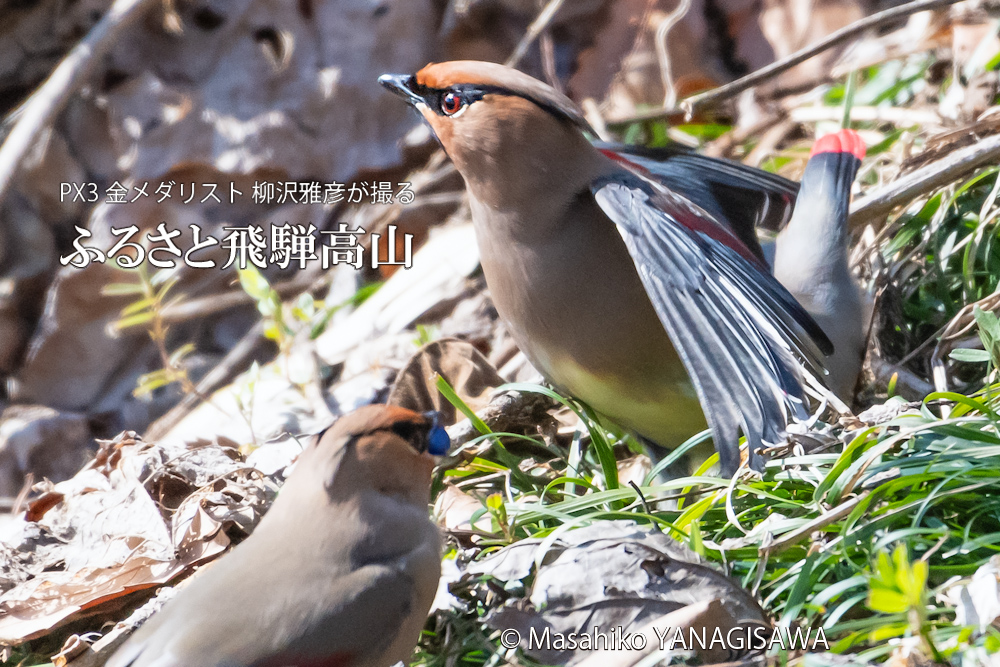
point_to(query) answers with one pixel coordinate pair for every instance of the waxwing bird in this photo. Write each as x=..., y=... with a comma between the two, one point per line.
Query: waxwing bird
x=622, y=291
x=811, y=256
x=341, y=571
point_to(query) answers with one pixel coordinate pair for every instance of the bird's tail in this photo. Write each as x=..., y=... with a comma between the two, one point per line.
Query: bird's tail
x=811, y=253
x=825, y=191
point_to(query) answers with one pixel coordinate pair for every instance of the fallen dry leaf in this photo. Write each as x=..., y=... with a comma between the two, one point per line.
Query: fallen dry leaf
x=113, y=529
x=464, y=367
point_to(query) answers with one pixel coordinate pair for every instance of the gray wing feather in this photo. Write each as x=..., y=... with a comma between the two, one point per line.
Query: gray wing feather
x=733, y=326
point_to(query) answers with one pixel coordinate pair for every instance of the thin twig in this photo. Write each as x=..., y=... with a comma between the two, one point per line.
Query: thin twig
x=548, y=49
x=833, y=39
x=592, y=112
x=959, y=325
x=897, y=115
x=204, y=306
x=820, y=522
x=723, y=146
x=769, y=142
x=845, y=34
x=234, y=360
x=22, y=496
x=41, y=109
x=536, y=28
x=663, y=53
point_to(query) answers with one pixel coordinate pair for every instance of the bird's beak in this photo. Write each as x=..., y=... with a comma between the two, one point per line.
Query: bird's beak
x=402, y=85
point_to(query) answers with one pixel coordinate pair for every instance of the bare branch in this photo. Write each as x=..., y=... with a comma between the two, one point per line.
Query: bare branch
x=845, y=34
x=940, y=172
x=234, y=361
x=536, y=28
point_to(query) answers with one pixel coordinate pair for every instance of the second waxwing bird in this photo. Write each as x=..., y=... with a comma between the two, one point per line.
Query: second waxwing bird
x=811, y=256
x=340, y=572
x=618, y=289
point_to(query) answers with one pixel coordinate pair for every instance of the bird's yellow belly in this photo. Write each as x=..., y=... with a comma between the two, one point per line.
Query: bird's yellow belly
x=575, y=306
x=666, y=412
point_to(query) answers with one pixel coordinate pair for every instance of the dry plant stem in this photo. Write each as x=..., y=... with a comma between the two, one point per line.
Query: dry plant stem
x=22, y=495
x=102, y=650
x=41, y=109
x=958, y=326
x=216, y=303
x=234, y=360
x=769, y=142
x=724, y=145
x=536, y=28
x=592, y=113
x=663, y=53
x=845, y=34
x=940, y=172
x=822, y=521
x=207, y=305
x=835, y=38
x=548, y=48
x=175, y=372
x=908, y=384
x=504, y=413
x=897, y=115
x=912, y=354
x=875, y=243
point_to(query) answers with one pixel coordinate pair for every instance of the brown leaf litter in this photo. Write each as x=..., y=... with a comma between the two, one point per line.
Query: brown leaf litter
x=138, y=516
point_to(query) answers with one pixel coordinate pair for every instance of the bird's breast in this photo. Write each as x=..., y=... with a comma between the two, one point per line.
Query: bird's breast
x=570, y=295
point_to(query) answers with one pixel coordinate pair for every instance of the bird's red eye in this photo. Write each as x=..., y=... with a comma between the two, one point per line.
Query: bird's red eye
x=451, y=104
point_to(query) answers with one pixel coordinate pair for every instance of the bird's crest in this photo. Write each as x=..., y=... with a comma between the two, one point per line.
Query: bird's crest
x=491, y=78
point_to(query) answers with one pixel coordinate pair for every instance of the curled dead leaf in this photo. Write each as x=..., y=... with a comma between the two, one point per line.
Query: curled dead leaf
x=42, y=504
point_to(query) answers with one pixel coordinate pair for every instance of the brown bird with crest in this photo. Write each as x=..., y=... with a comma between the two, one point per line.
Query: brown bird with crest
x=650, y=302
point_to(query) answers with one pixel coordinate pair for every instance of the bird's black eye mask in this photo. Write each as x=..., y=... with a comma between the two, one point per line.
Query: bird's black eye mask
x=453, y=99
x=450, y=101
x=431, y=438
x=428, y=436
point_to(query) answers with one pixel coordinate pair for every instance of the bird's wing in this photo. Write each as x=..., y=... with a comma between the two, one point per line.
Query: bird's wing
x=731, y=322
x=363, y=618
x=739, y=196
x=357, y=617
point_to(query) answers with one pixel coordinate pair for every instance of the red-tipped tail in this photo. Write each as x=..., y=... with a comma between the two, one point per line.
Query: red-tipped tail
x=845, y=141
x=821, y=209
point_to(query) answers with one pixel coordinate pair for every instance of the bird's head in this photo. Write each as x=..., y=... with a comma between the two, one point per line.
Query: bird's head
x=384, y=447
x=500, y=126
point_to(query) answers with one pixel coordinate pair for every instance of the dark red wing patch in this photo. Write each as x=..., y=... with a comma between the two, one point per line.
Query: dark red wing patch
x=718, y=233
x=702, y=226
x=624, y=161
x=844, y=141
